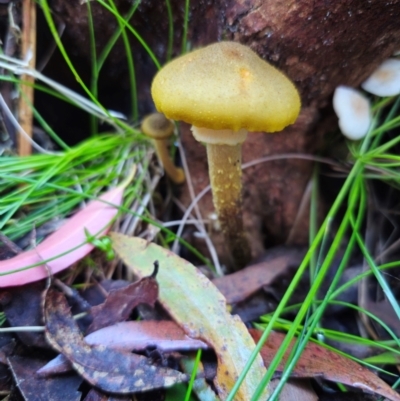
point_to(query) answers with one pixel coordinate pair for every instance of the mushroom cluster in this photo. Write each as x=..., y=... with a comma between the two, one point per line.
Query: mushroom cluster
x=225, y=90
x=353, y=108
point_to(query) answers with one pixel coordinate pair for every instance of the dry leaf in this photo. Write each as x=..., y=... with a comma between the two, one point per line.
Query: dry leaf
x=94, y=395
x=165, y=336
x=24, y=308
x=120, y=302
x=110, y=370
x=238, y=286
x=317, y=361
x=199, y=308
x=299, y=390
x=57, y=389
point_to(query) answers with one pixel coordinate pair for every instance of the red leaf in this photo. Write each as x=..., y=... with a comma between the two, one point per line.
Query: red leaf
x=317, y=361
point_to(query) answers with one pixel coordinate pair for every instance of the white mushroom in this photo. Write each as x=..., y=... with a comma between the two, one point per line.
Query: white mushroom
x=385, y=80
x=353, y=110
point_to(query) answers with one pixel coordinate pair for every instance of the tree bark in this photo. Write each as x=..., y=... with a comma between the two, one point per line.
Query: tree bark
x=319, y=44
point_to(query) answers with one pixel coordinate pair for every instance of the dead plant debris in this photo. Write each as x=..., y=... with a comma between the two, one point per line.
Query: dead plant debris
x=108, y=369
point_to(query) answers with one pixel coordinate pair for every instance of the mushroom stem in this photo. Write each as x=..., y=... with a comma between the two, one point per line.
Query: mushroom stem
x=176, y=174
x=225, y=169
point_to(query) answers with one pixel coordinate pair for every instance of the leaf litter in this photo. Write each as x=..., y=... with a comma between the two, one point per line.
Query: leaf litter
x=94, y=395
x=112, y=337
x=120, y=302
x=164, y=335
x=199, y=308
x=238, y=286
x=24, y=309
x=317, y=361
x=108, y=369
x=33, y=387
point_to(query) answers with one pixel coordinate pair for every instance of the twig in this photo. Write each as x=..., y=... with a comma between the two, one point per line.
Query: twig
x=28, y=51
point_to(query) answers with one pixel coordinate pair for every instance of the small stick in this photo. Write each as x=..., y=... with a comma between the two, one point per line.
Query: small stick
x=28, y=49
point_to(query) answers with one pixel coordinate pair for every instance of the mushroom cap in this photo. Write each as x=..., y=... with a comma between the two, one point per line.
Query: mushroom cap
x=157, y=126
x=385, y=80
x=353, y=110
x=226, y=86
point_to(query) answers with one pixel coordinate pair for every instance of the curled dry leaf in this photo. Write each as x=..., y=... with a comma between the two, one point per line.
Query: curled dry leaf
x=199, y=308
x=165, y=335
x=120, y=302
x=109, y=370
x=65, y=246
x=317, y=361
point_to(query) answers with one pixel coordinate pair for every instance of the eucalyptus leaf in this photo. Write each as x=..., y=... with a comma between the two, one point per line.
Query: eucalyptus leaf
x=199, y=308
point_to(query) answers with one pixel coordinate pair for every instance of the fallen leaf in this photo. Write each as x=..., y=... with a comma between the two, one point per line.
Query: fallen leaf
x=24, y=308
x=201, y=387
x=165, y=336
x=120, y=302
x=317, y=361
x=110, y=370
x=384, y=311
x=94, y=395
x=65, y=246
x=57, y=389
x=199, y=308
x=238, y=286
x=293, y=389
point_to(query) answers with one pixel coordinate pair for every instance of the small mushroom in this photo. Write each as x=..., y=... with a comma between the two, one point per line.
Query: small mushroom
x=225, y=90
x=385, y=80
x=353, y=110
x=160, y=129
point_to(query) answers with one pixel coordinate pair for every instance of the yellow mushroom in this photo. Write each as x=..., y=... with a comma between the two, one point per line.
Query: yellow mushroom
x=225, y=90
x=160, y=129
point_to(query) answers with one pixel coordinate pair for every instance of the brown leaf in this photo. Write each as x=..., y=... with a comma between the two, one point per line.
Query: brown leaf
x=119, y=303
x=317, y=361
x=110, y=370
x=34, y=388
x=240, y=285
x=165, y=335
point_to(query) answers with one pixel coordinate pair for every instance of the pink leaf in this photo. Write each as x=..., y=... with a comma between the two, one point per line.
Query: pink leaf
x=60, y=245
